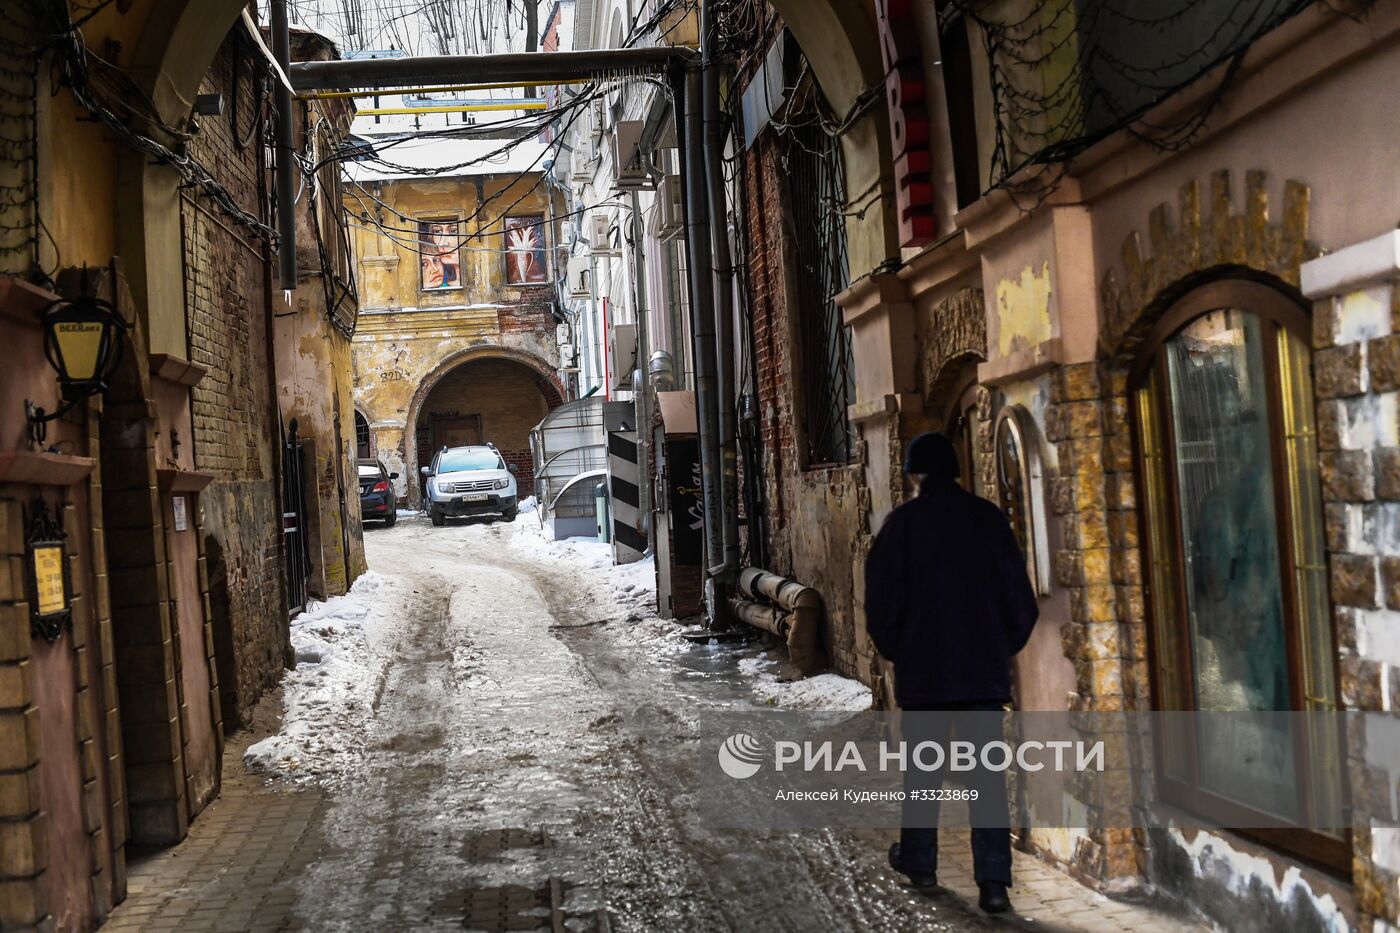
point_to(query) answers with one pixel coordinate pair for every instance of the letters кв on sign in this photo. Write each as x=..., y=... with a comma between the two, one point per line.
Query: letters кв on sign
x=906, y=92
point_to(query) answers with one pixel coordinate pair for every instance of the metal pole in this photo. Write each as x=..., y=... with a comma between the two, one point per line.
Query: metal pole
x=642, y=386
x=556, y=67
x=697, y=242
x=286, y=173
x=723, y=297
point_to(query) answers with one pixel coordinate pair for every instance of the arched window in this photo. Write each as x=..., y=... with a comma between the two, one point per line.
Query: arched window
x=1233, y=551
x=364, y=444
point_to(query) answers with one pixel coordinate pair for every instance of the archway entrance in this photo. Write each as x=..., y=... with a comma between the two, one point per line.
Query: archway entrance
x=488, y=400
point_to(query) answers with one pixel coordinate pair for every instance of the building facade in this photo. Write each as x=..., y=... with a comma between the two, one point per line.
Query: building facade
x=458, y=334
x=1160, y=338
x=1154, y=315
x=148, y=594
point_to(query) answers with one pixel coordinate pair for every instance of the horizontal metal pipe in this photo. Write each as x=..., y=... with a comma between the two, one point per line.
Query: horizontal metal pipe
x=510, y=66
x=437, y=89
x=447, y=108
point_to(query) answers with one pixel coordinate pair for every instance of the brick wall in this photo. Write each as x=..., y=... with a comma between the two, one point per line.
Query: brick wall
x=816, y=520
x=235, y=437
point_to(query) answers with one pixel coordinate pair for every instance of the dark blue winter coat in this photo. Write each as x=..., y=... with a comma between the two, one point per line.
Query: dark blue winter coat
x=947, y=598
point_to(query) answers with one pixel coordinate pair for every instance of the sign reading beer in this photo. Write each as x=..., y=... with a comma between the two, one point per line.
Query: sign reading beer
x=906, y=94
x=50, y=610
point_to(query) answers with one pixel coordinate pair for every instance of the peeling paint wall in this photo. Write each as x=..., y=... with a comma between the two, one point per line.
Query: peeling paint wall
x=408, y=338
x=315, y=376
x=1259, y=891
x=1022, y=311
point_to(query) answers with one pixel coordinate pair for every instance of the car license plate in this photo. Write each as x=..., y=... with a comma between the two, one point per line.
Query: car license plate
x=474, y=497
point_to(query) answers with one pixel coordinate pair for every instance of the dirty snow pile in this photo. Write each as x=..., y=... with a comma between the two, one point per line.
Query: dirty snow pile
x=330, y=693
x=822, y=692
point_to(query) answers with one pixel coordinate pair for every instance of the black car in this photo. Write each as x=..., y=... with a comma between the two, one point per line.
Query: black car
x=377, y=492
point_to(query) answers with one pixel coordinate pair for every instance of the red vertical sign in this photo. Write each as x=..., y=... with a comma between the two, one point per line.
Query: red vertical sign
x=906, y=94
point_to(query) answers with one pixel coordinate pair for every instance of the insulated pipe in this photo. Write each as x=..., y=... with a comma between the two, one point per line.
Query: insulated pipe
x=723, y=269
x=539, y=67
x=286, y=172
x=702, y=327
x=786, y=608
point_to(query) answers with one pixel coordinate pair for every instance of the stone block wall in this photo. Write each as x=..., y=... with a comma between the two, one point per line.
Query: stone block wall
x=1356, y=363
x=1098, y=561
x=236, y=435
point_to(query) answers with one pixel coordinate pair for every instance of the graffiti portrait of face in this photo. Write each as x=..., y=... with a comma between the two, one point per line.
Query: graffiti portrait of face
x=439, y=254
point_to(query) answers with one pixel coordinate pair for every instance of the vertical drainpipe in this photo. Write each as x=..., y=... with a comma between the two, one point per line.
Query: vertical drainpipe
x=275, y=434
x=723, y=299
x=697, y=242
x=641, y=386
x=286, y=171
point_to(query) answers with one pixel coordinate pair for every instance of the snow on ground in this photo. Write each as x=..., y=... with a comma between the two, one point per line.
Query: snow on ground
x=337, y=674
x=340, y=666
x=821, y=692
x=635, y=593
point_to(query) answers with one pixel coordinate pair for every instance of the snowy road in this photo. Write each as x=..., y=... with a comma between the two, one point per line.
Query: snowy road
x=489, y=722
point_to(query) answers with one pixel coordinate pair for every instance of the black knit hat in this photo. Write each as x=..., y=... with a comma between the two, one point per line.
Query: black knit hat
x=932, y=454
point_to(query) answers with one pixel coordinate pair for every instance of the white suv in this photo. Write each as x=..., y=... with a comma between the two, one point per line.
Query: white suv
x=470, y=481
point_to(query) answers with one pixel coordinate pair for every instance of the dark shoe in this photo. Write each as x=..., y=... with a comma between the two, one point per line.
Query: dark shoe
x=922, y=882
x=993, y=898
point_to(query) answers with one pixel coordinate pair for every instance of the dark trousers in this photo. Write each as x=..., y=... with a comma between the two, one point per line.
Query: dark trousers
x=991, y=835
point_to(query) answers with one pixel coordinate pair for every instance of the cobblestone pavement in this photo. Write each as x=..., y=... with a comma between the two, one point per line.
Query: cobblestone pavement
x=487, y=788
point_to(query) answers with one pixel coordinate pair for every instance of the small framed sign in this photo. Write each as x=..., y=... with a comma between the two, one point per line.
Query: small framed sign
x=46, y=557
x=177, y=508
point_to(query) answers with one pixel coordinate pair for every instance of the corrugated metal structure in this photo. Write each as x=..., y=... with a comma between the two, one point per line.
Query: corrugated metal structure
x=570, y=448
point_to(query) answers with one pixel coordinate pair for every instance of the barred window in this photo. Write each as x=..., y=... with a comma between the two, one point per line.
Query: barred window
x=816, y=196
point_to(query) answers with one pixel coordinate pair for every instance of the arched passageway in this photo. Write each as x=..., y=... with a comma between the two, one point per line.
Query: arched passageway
x=490, y=400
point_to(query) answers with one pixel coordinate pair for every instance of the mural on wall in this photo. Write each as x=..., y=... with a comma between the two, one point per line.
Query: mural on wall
x=525, y=261
x=439, y=254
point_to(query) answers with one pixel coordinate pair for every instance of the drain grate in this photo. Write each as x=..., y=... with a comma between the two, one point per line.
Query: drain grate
x=508, y=907
x=488, y=845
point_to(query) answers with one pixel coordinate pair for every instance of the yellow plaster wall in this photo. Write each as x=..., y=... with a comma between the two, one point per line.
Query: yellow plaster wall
x=407, y=337
x=389, y=266
x=1022, y=312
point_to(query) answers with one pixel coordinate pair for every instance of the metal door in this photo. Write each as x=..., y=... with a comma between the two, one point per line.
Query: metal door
x=296, y=550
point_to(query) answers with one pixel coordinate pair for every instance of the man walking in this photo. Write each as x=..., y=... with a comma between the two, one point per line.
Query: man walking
x=948, y=602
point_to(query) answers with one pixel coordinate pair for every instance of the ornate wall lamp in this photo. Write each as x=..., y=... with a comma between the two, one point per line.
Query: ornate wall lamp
x=82, y=340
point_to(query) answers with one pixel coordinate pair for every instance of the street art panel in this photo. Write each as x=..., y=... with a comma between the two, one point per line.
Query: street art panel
x=525, y=260
x=439, y=254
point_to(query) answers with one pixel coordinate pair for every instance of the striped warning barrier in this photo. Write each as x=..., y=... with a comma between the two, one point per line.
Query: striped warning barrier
x=629, y=541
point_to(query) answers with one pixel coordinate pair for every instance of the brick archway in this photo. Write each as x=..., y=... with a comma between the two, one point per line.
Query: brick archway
x=515, y=448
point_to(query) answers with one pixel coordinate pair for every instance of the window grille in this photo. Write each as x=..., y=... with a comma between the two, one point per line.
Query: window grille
x=816, y=195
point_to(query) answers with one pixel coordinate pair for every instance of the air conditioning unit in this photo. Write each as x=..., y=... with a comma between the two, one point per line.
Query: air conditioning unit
x=623, y=345
x=633, y=177
x=600, y=234
x=562, y=333
x=597, y=114
x=624, y=143
x=566, y=355
x=580, y=166
x=579, y=275
x=670, y=207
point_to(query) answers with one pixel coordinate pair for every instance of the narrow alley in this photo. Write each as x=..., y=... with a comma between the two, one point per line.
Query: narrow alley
x=451, y=757
x=501, y=464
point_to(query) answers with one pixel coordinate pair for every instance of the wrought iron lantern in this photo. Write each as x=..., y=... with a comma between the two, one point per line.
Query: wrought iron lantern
x=83, y=343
